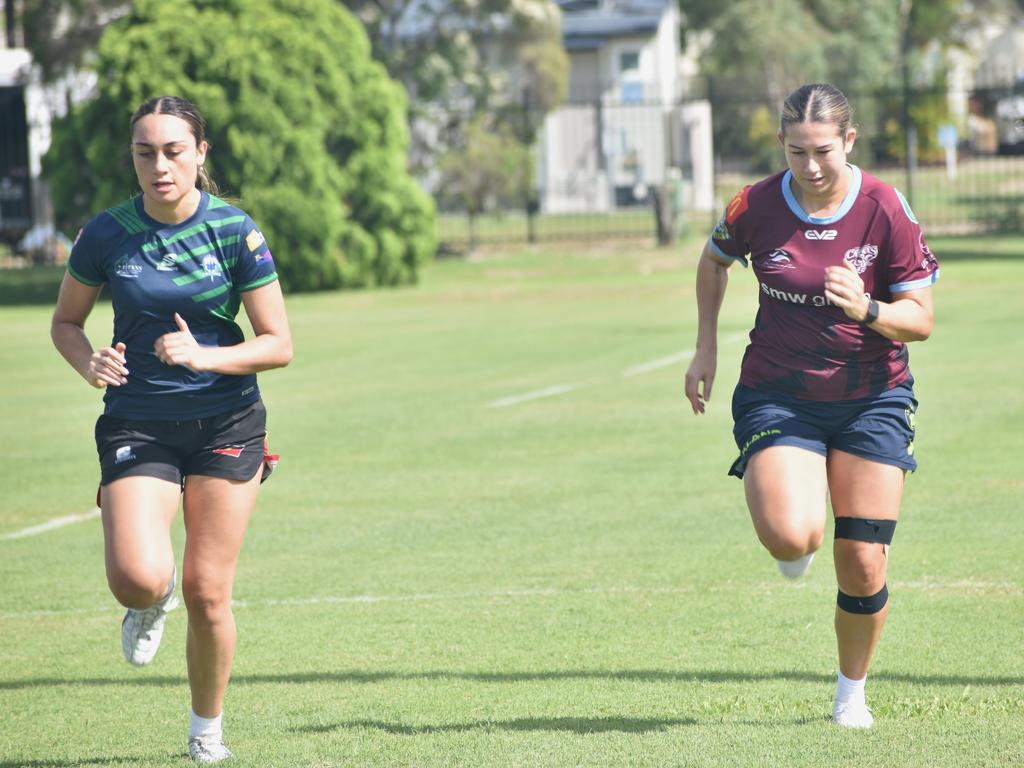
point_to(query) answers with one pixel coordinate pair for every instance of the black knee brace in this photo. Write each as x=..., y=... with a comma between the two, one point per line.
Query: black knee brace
x=862, y=529
x=863, y=605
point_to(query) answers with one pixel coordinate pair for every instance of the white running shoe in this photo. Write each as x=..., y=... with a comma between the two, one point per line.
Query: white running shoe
x=794, y=569
x=852, y=714
x=208, y=749
x=141, y=630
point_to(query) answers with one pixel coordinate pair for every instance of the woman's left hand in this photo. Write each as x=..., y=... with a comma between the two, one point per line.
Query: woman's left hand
x=845, y=289
x=181, y=348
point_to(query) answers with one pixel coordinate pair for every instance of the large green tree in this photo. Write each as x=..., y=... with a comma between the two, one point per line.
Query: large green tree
x=306, y=130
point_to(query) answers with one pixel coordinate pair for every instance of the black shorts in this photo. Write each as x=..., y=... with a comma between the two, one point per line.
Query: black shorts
x=228, y=445
x=879, y=428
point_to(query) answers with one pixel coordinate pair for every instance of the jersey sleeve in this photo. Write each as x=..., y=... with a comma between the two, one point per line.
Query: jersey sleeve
x=254, y=266
x=728, y=239
x=911, y=263
x=85, y=263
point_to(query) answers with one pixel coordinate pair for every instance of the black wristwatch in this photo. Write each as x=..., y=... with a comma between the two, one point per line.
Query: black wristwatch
x=872, y=314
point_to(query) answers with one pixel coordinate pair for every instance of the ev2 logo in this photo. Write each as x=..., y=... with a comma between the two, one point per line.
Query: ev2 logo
x=825, y=234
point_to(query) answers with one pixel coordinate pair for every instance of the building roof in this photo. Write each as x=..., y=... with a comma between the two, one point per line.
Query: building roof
x=587, y=23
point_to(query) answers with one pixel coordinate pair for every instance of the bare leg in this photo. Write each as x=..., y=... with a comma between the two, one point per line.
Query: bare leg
x=216, y=515
x=137, y=516
x=864, y=489
x=786, y=490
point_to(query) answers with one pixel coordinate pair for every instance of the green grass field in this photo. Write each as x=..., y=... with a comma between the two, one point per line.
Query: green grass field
x=433, y=578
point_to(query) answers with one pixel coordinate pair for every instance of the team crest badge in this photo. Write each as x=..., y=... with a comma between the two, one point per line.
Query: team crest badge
x=860, y=258
x=212, y=267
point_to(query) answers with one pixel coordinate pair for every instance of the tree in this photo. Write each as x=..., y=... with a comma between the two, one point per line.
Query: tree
x=305, y=128
x=61, y=34
x=488, y=169
x=462, y=61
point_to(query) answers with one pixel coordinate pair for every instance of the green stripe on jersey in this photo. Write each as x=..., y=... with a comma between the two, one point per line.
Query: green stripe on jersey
x=257, y=283
x=211, y=293
x=125, y=215
x=216, y=202
x=200, y=274
x=81, y=279
x=200, y=227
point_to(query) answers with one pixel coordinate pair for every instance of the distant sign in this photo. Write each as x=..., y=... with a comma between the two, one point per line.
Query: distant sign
x=947, y=136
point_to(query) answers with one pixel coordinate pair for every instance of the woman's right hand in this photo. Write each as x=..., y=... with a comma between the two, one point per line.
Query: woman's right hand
x=699, y=378
x=107, y=366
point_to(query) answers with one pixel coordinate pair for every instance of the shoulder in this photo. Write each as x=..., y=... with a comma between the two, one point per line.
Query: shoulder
x=115, y=222
x=765, y=193
x=886, y=198
x=228, y=218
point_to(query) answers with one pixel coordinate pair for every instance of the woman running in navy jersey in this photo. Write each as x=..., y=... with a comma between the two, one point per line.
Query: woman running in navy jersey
x=182, y=412
x=825, y=402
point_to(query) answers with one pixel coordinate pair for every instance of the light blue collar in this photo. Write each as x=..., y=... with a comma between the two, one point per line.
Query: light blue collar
x=800, y=213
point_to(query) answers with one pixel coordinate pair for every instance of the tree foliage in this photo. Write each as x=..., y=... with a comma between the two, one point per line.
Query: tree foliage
x=305, y=128
x=761, y=51
x=471, y=58
x=61, y=34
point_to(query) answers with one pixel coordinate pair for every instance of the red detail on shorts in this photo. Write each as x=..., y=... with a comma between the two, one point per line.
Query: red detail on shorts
x=234, y=451
x=737, y=205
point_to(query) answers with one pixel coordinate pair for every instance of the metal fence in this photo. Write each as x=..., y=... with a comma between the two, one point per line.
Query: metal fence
x=962, y=169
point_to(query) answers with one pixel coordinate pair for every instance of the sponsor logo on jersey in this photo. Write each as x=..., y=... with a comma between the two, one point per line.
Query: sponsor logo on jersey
x=928, y=263
x=123, y=454
x=721, y=231
x=824, y=234
x=860, y=258
x=124, y=267
x=265, y=256
x=777, y=261
x=254, y=239
x=212, y=267
x=169, y=263
x=234, y=451
x=737, y=205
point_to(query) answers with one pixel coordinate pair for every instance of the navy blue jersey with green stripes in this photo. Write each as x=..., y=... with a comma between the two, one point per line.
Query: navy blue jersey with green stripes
x=199, y=269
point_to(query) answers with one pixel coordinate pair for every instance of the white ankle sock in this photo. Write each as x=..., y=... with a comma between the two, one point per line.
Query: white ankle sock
x=848, y=690
x=205, y=727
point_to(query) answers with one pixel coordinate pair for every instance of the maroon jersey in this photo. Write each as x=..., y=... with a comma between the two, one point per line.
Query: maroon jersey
x=801, y=344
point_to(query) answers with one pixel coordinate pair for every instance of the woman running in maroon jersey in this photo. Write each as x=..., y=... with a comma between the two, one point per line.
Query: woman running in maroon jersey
x=825, y=403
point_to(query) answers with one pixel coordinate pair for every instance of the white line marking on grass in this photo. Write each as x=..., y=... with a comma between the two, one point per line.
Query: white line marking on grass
x=670, y=360
x=963, y=585
x=554, y=391
x=635, y=370
x=661, y=362
x=57, y=522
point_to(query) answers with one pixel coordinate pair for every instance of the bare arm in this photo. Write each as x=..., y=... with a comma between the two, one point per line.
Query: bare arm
x=101, y=367
x=910, y=316
x=712, y=279
x=271, y=347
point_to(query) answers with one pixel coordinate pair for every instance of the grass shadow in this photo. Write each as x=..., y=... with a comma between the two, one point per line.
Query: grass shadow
x=362, y=677
x=107, y=760
x=580, y=725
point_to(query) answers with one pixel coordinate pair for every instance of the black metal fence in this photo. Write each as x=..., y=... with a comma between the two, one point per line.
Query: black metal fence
x=605, y=168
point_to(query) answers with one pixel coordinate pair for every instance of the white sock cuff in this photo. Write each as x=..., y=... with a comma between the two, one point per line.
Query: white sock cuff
x=205, y=726
x=847, y=689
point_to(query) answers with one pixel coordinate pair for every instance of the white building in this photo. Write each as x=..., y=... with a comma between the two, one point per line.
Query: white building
x=624, y=127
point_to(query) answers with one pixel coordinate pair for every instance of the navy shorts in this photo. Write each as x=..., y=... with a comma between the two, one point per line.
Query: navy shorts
x=879, y=428
x=228, y=445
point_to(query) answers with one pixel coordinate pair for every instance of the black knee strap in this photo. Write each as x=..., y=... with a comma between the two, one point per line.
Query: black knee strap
x=862, y=529
x=863, y=605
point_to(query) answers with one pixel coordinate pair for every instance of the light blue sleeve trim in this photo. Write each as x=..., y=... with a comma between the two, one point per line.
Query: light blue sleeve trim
x=719, y=252
x=913, y=285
